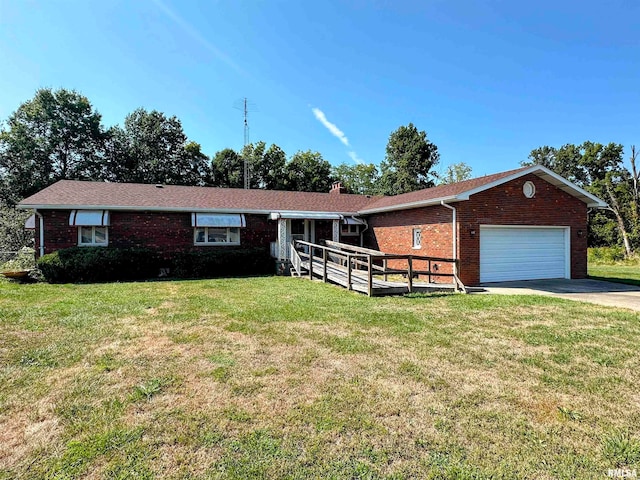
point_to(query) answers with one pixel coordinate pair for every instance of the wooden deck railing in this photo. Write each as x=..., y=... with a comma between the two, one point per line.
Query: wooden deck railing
x=370, y=264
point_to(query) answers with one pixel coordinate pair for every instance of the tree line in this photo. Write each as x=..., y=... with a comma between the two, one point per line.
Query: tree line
x=59, y=135
x=600, y=170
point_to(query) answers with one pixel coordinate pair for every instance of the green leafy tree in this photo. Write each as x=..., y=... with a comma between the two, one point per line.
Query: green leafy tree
x=600, y=170
x=271, y=171
x=13, y=235
x=408, y=162
x=227, y=169
x=308, y=172
x=56, y=135
x=456, y=172
x=361, y=178
x=266, y=166
x=153, y=148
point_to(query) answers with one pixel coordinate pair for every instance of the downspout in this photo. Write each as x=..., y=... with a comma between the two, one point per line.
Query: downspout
x=366, y=227
x=454, y=234
x=41, y=231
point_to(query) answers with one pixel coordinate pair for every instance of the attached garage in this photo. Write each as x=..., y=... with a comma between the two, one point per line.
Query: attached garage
x=523, y=253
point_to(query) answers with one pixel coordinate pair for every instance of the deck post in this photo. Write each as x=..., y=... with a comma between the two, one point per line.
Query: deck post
x=348, y=272
x=310, y=262
x=384, y=266
x=410, y=272
x=324, y=265
x=429, y=271
x=370, y=276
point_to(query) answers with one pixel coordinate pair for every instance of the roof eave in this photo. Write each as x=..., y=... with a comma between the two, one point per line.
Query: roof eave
x=591, y=200
x=406, y=206
x=130, y=208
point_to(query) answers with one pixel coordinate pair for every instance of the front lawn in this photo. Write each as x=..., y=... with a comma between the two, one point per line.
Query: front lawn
x=619, y=273
x=286, y=378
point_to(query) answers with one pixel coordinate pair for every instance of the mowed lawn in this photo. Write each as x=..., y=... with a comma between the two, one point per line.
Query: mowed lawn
x=620, y=273
x=286, y=378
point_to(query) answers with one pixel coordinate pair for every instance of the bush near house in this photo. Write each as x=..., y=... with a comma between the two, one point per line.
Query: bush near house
x=99, y=264
x=222, y=262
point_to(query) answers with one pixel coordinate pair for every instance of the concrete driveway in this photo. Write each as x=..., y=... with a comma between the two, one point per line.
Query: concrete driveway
x=586, y=290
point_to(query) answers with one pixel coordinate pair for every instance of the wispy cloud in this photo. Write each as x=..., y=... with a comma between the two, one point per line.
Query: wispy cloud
x=332, y=127
x=197, y=36
x=354, y=156
x=336, y=132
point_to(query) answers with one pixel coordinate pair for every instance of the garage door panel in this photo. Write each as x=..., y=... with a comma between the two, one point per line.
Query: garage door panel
x=522, y=253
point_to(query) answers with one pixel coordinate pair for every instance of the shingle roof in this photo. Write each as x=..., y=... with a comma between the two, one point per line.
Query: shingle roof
x=136, y=196
x=441, y=191
x=75, y=194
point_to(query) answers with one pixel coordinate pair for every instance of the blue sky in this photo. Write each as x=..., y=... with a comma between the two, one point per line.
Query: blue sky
x=487, y=80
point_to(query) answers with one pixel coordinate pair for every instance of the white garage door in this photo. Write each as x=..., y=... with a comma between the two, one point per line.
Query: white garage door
x=523, y=253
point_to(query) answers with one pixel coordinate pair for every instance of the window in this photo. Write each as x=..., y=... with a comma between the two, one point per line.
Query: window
x=93, y=236
x=349, y=230
x=417, y=238
x=217, y=236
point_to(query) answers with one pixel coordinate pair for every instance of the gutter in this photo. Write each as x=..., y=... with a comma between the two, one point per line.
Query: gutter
x=405, y=206
x=41, y=231
x=361, y=221
x=139, y=208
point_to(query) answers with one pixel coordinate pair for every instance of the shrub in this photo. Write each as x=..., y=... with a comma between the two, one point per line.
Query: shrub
x=24, y=260
x=98, y=264
x=609, y=255
x=223, y=262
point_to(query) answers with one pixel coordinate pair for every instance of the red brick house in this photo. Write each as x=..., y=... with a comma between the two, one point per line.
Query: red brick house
x=527, y=223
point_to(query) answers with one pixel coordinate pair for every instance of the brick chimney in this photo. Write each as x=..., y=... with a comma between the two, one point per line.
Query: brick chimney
x=336, y=187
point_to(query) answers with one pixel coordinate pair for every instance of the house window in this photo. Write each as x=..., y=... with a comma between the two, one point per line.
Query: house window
x=217, y=236
x=417, y=238
x=93, y=236
x=347, y=230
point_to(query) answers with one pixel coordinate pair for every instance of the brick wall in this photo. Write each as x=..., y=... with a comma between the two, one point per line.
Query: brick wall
x=392, y=232
x=507, y=205
x=166, y=232
x=503, y=205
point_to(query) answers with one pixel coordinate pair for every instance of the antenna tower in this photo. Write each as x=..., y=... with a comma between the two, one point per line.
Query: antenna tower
x=245, y=106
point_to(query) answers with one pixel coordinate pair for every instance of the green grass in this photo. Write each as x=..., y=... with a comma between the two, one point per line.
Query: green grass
x=620, y=273
x=286, y=378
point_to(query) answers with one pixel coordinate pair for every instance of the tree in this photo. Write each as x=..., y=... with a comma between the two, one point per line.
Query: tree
x=227, y=169
x=599, y=169
x=565, y=161
x=456, y=172
x=360, y=178
x=408, y=162
x=56, y=135
x=271, y=171
x=308, y=172
x=266, y=166
x=153, y=148
x=13, y=235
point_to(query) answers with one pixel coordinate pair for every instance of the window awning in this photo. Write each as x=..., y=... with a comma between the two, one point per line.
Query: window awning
x=218, y=220
x=353, y=221
x=306, y=215
x=89, y=218
x=30, y=223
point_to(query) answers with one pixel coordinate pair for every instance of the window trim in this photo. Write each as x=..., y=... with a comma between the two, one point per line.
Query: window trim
x=349, y=233
x=206, y=243
x=416, y=245
x=93, y=236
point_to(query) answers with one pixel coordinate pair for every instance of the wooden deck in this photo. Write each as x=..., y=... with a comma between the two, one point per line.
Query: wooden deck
x=366, y=271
